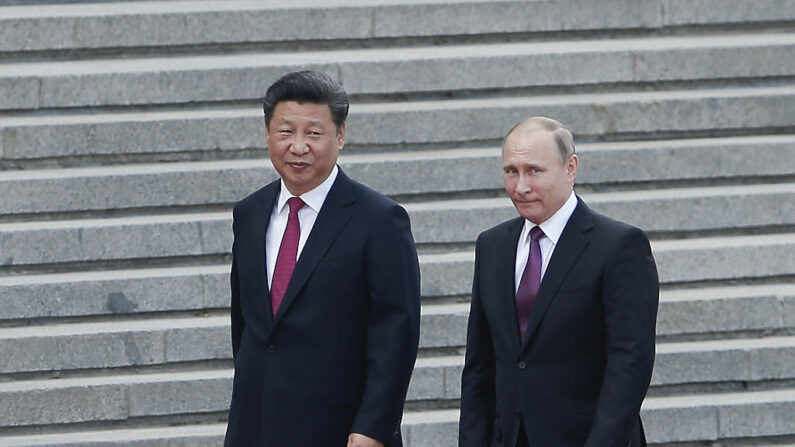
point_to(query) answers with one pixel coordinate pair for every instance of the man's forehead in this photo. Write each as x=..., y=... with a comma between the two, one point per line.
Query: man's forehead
x=530, y=135
x=527, y=142
x=291, y=112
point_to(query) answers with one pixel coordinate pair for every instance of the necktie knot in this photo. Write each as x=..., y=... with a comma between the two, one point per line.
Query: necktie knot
x=536, y=233
x=295, y=204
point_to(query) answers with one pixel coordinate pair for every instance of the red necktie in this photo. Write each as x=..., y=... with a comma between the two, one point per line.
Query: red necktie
x=531, y=279
x=288, y=251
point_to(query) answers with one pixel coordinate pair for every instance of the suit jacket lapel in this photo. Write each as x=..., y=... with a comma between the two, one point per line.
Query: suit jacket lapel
x=507, y=281
x=571, y=243
x=333, y=216
x=252, y=250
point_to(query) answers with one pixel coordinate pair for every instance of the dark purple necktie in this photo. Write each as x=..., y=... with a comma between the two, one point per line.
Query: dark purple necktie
x=288, y=252
x=531, y=279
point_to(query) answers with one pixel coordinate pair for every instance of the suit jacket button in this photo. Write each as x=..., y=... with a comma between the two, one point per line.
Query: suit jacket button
x=272, y=348
x=522, y=365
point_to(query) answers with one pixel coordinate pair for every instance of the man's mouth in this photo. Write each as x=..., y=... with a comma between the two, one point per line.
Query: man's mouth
x=298, y=164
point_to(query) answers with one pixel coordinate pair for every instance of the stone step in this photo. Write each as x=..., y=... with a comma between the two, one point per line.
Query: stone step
x=686, y=260
x=688, y=311
x=124, y=25
x=172, y=235
x=161, y=340
x=695, y=312
x=698, y=417
x=122, y=397
x=109, y=344
x=713, y=310
x=655, y=211
x=114, y=398
x=111, y=292
x=442, y=171
x=165, y=237
x=451, y=122
x=187, y=79
x=719, y=416
x=201, y=435
x=697, y=362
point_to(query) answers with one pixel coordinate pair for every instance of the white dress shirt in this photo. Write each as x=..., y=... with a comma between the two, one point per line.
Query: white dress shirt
x=306, y=217
x=552, y=228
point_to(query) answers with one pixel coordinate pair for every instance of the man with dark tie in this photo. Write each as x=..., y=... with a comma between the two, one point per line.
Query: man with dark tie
x=325, y=289
x=560, y=342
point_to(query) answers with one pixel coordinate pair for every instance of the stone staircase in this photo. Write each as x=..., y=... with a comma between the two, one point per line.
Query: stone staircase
x=128, y=130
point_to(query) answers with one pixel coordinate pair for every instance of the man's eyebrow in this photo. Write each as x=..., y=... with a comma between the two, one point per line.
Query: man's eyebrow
x=523, y=165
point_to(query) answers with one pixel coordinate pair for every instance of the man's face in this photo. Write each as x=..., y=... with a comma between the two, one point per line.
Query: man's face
x=303, y=143
x=535, y=178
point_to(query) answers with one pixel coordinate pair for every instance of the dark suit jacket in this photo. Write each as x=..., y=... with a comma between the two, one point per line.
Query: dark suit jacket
x=338, y=355
x=582, y=373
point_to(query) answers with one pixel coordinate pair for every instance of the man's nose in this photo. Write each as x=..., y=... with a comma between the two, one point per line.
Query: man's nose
x=524, y=186
x=298, y=145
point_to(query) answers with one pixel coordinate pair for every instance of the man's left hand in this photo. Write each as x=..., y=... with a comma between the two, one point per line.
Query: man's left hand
x=358, y=440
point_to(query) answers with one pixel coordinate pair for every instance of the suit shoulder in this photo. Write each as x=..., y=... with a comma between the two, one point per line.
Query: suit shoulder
x=612, y=224
x=500, y=228
x=371, y=198
x=494, y=235
x=254, y=199
x=613, y=229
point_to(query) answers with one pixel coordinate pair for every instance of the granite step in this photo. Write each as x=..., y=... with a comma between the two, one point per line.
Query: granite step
x=686, y=260
x=190, y=23
x=110, y=344
x=121, y=397
x=169, y=340
x=197, y=435
x=617, y=114
x=692, y=313
x=206, y=183
x=692, y=418
x=446, y=221
x=409, y=70
x=703, y=310
x=697, y=362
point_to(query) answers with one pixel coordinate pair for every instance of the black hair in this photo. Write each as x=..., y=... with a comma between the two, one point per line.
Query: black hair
x=307, y=86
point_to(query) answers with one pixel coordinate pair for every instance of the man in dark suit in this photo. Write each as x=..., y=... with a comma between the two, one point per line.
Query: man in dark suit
x=325, y=289
x=560, y=343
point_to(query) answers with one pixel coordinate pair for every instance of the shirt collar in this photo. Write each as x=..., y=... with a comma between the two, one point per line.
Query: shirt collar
x=553, y=227
x=314, y=198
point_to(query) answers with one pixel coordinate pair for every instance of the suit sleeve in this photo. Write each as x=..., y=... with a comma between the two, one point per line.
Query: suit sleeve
x=235, y=309
x=630, y=297
x=393, y=277
x=478, y=398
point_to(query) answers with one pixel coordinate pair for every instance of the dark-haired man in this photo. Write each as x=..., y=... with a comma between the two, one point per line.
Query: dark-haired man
x=325, y=289
x=560, y=343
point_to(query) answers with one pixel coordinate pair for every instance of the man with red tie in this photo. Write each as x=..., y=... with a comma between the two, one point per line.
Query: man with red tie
x=560, y=342
x=325, y=289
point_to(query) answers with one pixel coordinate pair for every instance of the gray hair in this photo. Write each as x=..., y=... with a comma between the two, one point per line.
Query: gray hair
x=564, y=140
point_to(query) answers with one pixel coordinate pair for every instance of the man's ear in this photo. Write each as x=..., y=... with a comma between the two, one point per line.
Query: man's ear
x=341, y=136
x=571, y=167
